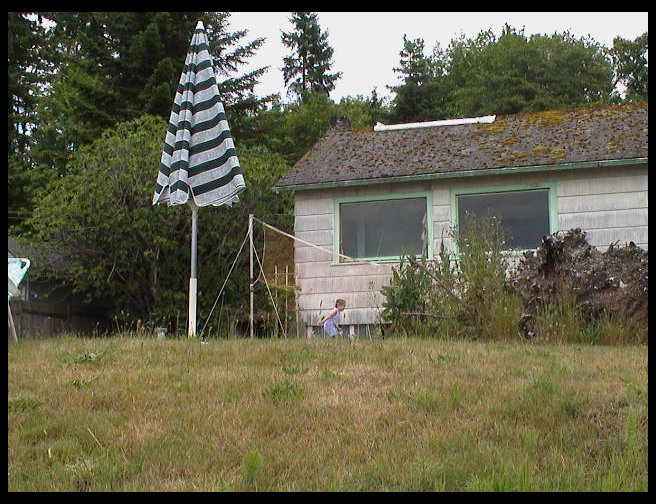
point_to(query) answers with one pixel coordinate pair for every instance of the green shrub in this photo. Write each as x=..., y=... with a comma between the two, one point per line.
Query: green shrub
x=456, y=295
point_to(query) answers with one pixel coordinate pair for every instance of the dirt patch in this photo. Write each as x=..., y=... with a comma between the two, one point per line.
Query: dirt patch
x=565, y=264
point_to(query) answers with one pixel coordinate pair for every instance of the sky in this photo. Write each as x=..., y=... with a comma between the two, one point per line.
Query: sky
x=367, y=44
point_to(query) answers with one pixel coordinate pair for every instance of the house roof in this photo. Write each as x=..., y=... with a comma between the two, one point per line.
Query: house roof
x=544, y=139
x=40, y=256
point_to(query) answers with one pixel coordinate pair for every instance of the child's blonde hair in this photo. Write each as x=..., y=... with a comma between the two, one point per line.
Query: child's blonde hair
x=340, y=302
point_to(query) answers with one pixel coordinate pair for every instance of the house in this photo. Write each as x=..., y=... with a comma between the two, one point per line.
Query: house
x=370, y=195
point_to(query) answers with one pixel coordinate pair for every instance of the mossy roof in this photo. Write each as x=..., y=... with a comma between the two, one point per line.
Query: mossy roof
x=521, y=140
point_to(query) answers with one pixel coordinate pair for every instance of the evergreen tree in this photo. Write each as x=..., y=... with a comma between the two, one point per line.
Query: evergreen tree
x=28, y=69
x=119, y=65
x=25, y=76
x=307, y=68
x=413, y=96
x=116, y=66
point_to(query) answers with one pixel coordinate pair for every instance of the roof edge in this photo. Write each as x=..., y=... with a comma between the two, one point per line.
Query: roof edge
x=461, y=174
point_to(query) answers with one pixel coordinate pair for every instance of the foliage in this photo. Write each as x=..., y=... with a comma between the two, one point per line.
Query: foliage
x=307, y=68
x=113, y=67
x=292, y=130
x=459, y=295
x=407, y=296
x=116, y=244
x=415, y=97
x=27, y=66
x=506, y=74
x=630, y=62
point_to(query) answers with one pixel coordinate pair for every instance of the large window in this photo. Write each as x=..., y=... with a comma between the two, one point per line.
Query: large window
x=525, y=214
x=386, y=228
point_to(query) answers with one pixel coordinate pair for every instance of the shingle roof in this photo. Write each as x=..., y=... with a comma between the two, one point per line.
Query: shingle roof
x=521, y=140
x=41, y=257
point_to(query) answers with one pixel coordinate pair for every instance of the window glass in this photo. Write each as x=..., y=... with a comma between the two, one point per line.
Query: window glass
x=385, y=228
x=524, y=214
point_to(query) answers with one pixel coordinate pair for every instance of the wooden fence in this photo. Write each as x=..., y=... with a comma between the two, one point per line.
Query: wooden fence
x=42, y=318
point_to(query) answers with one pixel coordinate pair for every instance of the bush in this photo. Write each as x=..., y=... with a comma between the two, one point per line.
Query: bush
x=118, y=246
x=456, y=295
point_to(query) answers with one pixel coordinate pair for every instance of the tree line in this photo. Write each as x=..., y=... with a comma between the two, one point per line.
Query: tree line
x=89, y=95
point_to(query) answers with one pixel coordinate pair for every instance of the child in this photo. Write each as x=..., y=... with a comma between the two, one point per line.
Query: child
x=330, y=322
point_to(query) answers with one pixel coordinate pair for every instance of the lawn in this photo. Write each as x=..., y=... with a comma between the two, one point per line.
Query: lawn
x=138, y=414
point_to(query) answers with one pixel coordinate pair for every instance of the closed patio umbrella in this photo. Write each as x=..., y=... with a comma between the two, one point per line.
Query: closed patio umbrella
x=199, y=164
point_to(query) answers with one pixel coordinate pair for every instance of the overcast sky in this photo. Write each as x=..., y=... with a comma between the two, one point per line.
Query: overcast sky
x=367, y=44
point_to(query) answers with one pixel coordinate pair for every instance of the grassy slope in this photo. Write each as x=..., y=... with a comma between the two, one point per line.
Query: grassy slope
x=136, y=414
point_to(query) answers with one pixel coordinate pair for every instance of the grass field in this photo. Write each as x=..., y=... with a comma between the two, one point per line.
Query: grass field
x=137, y=414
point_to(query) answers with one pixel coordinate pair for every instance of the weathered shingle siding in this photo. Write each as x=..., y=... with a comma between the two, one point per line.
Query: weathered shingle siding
x=610, y=205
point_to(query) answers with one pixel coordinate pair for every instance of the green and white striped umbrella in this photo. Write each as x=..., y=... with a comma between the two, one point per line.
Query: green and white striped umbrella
x=199, y=163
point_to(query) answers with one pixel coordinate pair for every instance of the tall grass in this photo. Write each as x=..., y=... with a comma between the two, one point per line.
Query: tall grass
x=136, y=414
x=460, y=294
x=469, y=294
x=563, y=322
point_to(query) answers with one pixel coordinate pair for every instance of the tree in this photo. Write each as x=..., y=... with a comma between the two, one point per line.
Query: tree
x=116, y=66
x=291, y=130
x=506, y=74
x=117, y=245
x=631, y=66
x=307, y=67
x=26, y=74
x=28, y=70
x=513, y=73
x=415, y=95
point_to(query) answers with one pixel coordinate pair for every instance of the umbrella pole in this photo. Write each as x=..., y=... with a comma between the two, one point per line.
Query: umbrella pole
x=251, y=286
x=193, y=279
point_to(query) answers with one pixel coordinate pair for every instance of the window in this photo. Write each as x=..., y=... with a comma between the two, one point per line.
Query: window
x=384, y=228
x=525, y=214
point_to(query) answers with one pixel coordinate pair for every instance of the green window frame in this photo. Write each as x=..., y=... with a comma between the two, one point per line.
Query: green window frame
x=549, y=187
x=382, y=198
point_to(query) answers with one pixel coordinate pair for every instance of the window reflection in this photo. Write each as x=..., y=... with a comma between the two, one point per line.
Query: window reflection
x=524, y=214
x=384, y=228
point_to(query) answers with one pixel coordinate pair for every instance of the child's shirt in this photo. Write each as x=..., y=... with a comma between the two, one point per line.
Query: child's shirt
x=331, y=323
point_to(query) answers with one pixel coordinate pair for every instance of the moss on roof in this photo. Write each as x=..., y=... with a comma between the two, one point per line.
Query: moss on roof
x=540, y=138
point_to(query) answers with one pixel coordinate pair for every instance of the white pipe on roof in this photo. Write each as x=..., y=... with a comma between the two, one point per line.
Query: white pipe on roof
x=432, y=124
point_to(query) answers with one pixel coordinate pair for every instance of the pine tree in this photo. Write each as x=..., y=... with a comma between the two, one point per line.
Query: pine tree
x=117, y=66
x=28, y=70
x=413, y=95
x=307, y=68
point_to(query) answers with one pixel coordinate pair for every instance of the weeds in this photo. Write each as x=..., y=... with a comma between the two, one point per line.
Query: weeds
x=23, y=403
x=284, y=392
x=251, y=465
x=88, y=357
x=294, y=370
x=473, y=294
x=461, y=295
